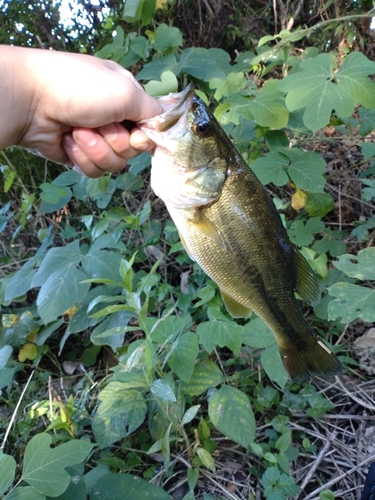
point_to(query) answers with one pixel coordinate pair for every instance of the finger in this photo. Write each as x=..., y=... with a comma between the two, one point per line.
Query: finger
x=124, y=143
x=80, y=159
x=98, y=150
x=139, y=141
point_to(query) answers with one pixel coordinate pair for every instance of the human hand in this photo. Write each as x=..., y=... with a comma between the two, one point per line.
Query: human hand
x=74, y=106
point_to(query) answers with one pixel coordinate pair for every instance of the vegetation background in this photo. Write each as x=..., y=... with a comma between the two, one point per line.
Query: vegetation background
x=121, y=374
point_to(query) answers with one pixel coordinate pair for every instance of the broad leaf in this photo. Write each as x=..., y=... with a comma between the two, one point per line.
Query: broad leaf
x=307, y=170
x=25, y=493
x=230, y=412
x=271, y=168
x=273, y=366
x=313, y=88
x=167, y=84
x=62, y=290
x=206, y=374
x=162, y=391
x=257, y=334
x=221, y=333
x=361, y=267
x=267, y=110
x=353, y=78
x=44, y=466
x=8, y=470
x=126, y=487
x=183, y=357
x=120, y=412
x=353, y=301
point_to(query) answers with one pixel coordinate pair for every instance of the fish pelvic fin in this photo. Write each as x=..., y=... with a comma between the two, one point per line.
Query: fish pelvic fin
x=235, y=309
x=206, y=227
x=309, y=359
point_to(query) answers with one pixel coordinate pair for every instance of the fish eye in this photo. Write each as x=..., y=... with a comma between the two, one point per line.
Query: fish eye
x=202, y=128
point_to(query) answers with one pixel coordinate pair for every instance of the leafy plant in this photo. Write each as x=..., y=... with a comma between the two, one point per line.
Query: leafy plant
x=112, y=282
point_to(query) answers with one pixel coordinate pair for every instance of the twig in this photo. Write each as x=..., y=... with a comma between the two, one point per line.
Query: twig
x=316, y=463
x=339, y=478
x=16, y=409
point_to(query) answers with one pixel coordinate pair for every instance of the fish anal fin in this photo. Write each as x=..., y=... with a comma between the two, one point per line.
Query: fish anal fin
x=206, y=227
x=307, y=285
x=235, y=309
x=309, y=359
x=182, y=239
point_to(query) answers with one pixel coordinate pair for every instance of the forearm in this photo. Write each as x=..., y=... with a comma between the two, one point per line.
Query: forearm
x=17, y=94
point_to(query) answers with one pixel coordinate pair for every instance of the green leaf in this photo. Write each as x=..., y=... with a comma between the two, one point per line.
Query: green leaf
x=313, y=88
x=53, y=197
x=319, y=204
x=155, y=68
x=132, y=10
x=273, y=366
x=226, y=86
x=199, y=63
x=367, y=122
x=120, y=412
x=221, y=333
x=319, y=405
x=278, y=484
x=126, y=487
x=162, y=391
x=206, y=374
x=271, y=168
x=230, y=412
x=25, y=493
x=102, y=264
x=8, y=471
x=267, y=110
x=206, y=458
x=307, y=170
x=302, y=234
x=43, y=467
x=190, y=414
x=183, y=357
x=166, y=37
x=353, y=78
x=257, y=334
x=77, y=486
x=361, y=267
x=353, y=301
x=5, y=354
x=368, y=193
x=62, y=290
x=57, y=259
x=167, y=84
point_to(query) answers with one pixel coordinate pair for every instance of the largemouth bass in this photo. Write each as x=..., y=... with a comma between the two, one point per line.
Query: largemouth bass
x=229, y=225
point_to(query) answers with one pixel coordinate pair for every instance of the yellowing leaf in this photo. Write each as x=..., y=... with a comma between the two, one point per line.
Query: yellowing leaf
x=28, y=351
x=299, y=199
x=160, y=4
x=9, y=320
x=71, y=311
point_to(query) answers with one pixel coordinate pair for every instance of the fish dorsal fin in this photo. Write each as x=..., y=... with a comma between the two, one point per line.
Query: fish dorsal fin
x=307, y=285
x=182, y=239
x=235, y=309
x=206, y=227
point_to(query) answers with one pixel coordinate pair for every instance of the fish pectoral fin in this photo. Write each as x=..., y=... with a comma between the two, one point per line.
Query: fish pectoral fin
x=206, y=227
x=307, y=285
x=235, y=309
x=182, y=239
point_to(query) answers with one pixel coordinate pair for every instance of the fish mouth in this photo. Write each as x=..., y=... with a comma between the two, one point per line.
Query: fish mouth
x=174, y=106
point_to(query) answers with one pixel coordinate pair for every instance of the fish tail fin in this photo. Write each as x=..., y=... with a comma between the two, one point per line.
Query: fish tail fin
x=310, y=358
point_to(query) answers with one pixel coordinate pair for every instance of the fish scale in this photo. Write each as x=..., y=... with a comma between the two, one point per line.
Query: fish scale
x=231, y=228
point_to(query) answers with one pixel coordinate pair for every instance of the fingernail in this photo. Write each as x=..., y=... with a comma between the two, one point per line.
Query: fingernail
x=144, y=146
x=86, y=137
x=111, y=134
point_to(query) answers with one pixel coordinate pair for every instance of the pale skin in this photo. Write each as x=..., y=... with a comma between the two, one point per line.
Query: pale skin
x=68, y=108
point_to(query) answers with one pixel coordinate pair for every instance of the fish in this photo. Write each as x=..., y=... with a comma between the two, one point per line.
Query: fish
x=229, y=225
